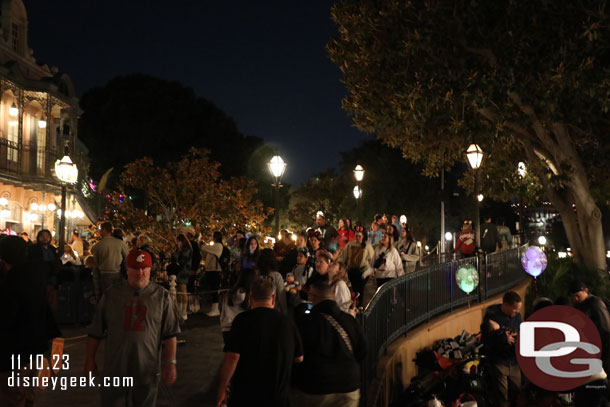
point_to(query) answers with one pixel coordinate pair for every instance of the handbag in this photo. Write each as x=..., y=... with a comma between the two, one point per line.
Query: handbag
x=380, y=261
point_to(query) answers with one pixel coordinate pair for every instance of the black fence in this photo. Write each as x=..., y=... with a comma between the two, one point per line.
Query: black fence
x=410, y=300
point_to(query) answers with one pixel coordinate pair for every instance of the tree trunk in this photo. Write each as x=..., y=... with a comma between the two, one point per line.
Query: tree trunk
x=583, y=228
x=579, y=213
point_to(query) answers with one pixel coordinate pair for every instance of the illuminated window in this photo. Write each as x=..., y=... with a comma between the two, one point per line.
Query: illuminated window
x=41, y=141
x=13, y=140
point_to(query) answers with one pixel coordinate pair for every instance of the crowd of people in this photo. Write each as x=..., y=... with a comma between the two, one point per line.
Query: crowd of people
x=287, y=312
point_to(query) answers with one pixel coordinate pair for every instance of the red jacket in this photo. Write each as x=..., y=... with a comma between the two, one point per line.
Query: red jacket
x=345, y=236
x=465, y=242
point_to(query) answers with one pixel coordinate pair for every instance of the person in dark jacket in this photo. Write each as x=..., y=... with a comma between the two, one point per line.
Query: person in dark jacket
x=489, y=236
x=27, y=320
x=326, y=232
x=499, y=331
x=595, y=308
x=333, y=346
x=45, y=255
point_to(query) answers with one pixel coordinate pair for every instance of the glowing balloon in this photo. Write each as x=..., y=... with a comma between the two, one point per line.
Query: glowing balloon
x=467, y=278
x=534, y=261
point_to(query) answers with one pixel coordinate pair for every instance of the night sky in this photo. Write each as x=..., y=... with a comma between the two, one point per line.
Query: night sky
x=262, y=62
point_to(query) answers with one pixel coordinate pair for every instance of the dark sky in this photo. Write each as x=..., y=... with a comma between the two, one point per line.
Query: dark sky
x=262, y=62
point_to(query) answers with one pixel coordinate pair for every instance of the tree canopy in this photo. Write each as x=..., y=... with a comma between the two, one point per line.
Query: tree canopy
x=526, y=80
x=139, y=115
x=186, y=194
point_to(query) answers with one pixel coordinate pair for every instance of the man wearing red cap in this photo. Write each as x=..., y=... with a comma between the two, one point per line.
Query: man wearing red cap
x=135, y=318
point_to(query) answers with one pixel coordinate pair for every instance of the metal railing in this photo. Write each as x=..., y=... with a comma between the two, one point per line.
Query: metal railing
x=32, y=161
x=405, y=302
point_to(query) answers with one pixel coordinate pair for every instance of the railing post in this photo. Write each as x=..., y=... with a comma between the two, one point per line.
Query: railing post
x=486, y=288
x=428, y=295
x=451, y=284
x=479, y=271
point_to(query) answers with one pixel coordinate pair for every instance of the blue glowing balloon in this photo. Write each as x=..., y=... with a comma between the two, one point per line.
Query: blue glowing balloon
x=467, y=278
x=534, y=261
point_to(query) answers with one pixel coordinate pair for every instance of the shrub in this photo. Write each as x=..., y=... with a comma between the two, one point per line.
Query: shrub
x=554, y=282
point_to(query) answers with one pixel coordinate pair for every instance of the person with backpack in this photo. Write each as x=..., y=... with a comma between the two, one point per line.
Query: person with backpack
x=211, y=277
x=489, y=236
x=196, y=256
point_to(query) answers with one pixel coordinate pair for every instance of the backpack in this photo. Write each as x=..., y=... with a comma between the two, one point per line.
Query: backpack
x=227, y=279
x=224, y=261
x=196, y=257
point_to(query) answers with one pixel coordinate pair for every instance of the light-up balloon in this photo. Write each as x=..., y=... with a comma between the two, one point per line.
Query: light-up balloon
x=534, y=261
x=467, y=278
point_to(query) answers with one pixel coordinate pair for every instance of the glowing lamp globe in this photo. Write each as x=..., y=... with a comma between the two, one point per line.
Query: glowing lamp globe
x=474, y=155
x=403, y=219
x=359, y=173
x=357, y=192
x=448, y=236
x=66, y=170
x=534, y=261
x=277, y=166
x=467, y=278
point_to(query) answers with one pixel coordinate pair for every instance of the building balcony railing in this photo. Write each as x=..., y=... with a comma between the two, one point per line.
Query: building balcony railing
x=32, y=162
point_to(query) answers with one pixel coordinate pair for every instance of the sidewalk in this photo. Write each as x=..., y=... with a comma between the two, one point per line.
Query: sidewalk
x=198, y=364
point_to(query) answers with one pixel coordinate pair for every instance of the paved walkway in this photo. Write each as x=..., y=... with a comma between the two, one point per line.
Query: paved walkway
x=199, y=360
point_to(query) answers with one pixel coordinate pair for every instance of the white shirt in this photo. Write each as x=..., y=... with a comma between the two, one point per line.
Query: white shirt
x=343, y=296
x=392, y=267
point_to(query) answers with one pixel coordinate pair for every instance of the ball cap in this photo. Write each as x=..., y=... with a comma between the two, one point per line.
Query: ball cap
x=139, y=259
x=576, y=286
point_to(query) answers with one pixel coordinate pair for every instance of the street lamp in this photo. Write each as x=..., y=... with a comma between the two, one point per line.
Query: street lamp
x=359, y=173
x=277, y=166
x=67, y=172
x=357, y=192
x=474, y=154
x=542, y=240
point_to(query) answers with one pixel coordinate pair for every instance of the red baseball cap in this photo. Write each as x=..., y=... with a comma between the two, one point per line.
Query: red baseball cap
x=138, y=259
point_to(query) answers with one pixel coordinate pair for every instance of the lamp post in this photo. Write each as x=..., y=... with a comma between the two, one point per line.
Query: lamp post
x=357, y=194
x=277, y=166
x=522, y=171
x=359, y=175
x=474, y=154
x=67, y=172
